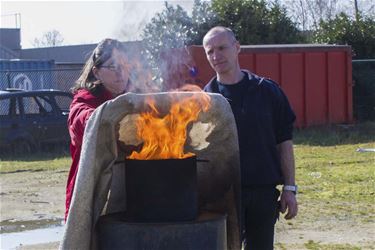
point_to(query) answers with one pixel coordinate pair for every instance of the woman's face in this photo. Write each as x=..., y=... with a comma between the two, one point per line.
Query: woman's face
x=114, y=73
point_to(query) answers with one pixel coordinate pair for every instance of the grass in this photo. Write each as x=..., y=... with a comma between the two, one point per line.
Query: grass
x=335, y=135
x=330, y=170
x=57, y=160
x=336, y=183
x=312, y=245
x=317, y=246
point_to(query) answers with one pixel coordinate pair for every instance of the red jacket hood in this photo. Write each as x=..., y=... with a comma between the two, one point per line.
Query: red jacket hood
x=84, y=96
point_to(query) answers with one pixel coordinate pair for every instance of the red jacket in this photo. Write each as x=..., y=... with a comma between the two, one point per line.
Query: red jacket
x=83, y=104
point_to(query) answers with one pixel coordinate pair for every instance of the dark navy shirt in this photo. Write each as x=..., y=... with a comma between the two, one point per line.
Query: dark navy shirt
x=264, y=119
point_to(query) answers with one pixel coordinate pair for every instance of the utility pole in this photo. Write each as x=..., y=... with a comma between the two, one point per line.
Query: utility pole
x=17, y=20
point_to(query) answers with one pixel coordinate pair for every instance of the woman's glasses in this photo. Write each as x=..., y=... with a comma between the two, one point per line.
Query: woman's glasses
x=116, y=63
x=116, y=67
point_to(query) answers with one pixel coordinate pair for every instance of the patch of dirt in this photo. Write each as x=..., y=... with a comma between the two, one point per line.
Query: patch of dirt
x=294, y=234
x=28, y=197
x=36, y=199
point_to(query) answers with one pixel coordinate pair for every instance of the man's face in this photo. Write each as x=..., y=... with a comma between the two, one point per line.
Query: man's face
x=221, y=51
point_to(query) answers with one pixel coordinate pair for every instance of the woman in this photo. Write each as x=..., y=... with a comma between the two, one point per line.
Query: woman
x=104, y=76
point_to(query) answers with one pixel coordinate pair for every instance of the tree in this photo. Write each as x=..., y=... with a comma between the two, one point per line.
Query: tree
x=50, y=38
x=309, y=13
x=173, y=28
x=167, y=30
x=252, y=20
x=256, y=22
x=346, y=30
x=203, y=19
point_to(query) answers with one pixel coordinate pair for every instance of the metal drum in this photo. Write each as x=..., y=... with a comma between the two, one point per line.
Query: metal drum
x=207, y=232
x=161, y=190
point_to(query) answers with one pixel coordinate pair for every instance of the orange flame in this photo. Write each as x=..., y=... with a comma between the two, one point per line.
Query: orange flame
x=165, y=137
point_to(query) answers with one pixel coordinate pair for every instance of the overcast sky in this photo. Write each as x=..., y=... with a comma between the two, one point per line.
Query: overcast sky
x=87, y=21
x=83, y=21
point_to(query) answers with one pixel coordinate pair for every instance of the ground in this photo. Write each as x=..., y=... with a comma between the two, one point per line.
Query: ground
x=32, y=199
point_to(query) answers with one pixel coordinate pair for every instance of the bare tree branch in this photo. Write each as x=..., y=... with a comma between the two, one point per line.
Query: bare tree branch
x=50, y=38
x=308, y=13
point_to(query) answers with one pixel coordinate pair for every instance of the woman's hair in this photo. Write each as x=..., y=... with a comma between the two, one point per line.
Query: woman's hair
x=99, y=56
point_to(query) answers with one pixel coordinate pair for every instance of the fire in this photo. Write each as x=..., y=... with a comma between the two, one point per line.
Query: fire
x=164, y=137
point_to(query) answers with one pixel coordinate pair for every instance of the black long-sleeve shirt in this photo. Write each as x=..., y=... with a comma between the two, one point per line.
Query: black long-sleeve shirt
x=264, y=119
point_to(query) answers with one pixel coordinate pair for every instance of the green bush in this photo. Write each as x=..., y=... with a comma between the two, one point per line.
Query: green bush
x=364, y=89
x=345, y=30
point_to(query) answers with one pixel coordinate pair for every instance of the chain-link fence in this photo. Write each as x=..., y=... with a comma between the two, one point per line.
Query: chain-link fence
x=65, y=78
x=61, y=79
x=364, y=89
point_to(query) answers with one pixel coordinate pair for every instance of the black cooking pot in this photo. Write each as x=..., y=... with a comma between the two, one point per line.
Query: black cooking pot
x=161, y=190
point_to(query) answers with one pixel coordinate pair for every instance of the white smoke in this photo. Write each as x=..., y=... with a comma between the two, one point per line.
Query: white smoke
x=136, y=14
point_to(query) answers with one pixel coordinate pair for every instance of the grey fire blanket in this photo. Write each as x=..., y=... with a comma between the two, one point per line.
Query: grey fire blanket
x=100, y=186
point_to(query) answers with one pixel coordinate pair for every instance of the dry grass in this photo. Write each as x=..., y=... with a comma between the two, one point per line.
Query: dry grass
x=337, y=189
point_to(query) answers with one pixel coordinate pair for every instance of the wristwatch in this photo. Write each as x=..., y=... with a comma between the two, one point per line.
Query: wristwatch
x=292, y=188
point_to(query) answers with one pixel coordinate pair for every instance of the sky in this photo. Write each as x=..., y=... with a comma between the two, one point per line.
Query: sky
x=81, y=22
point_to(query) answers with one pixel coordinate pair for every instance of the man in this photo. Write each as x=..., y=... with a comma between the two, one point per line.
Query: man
x=264, y=122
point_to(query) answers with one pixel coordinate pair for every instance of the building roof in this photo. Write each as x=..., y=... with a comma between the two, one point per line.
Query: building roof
x=6, y=53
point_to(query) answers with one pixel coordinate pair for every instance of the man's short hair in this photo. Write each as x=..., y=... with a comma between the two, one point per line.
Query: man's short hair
x=220, y=29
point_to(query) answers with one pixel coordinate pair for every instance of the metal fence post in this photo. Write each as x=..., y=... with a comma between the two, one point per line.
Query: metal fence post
x=8, y=79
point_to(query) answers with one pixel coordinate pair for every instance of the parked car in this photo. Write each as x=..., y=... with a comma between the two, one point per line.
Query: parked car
x=32, y=119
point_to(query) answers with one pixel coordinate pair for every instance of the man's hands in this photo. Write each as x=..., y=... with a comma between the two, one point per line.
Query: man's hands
x=288, y=202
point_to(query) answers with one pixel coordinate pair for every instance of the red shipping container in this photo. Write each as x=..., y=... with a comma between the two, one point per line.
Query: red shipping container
x=316, y=78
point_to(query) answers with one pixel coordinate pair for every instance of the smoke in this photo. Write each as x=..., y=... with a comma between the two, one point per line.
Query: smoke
x=144, y=76
x=141, y=75
x=177, y=70
x=176, y=67
x=136, y=14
